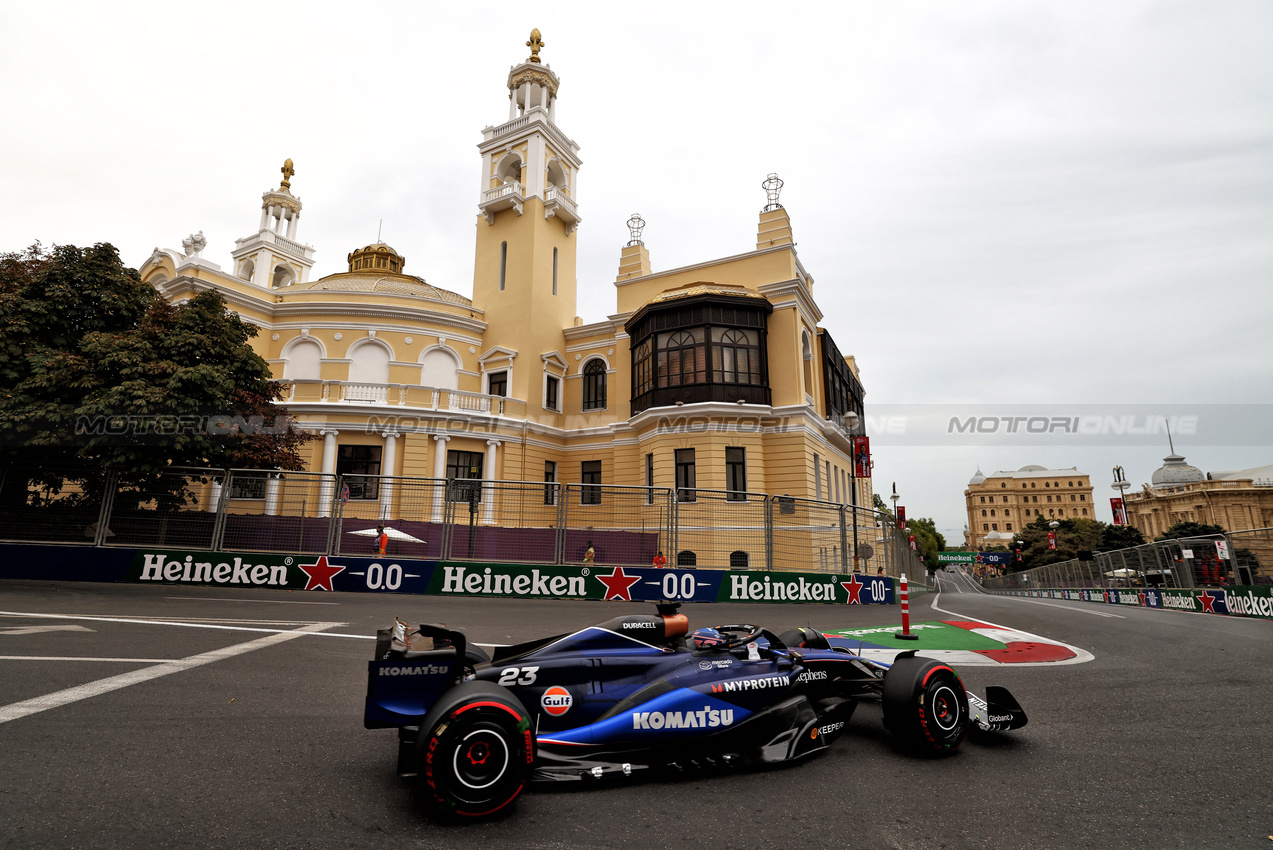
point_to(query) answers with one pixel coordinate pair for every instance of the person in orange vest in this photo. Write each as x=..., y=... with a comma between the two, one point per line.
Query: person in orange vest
x=660, y=561
x=382, y=540
x=589, y=555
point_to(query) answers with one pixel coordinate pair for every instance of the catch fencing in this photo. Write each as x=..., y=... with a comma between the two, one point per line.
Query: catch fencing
x=244, y=510
x=1236, y=558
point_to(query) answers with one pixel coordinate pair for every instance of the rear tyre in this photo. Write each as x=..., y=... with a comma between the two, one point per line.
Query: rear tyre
x=925, y=706
x=475, y=752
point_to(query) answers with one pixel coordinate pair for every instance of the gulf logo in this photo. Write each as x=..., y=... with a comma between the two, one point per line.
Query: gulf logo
x=556, y=700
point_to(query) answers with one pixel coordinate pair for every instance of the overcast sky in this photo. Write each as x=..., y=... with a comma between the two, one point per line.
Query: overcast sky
x=1001, y=202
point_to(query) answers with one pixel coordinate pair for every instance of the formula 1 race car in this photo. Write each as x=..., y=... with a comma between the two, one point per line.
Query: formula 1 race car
x=637, y=693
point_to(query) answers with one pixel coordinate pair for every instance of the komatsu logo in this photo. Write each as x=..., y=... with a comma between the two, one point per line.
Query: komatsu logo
x=424, y=670
x=707, y=718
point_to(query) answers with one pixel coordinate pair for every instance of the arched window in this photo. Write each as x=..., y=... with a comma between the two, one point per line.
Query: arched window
x=368, y=373
x=686, y=558
x=735, y=356
x=643, y=368
x=738, y=560
x=594, y=385
x=304, y=360
x=682, y=358
x=283, y=276
x=440, y=369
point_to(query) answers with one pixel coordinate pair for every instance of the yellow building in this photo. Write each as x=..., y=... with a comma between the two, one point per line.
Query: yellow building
x=1237, y=500
x=711, y=377
x=1000, y=505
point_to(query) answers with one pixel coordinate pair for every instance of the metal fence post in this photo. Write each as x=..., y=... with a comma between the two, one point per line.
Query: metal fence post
x=769, y=532
x=104, y=511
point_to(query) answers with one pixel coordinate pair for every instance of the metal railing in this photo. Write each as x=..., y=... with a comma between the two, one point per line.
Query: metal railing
x=452, y=519
x=1242, y=558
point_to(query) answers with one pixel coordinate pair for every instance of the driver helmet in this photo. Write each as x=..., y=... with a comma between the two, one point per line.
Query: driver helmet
x=706, y=638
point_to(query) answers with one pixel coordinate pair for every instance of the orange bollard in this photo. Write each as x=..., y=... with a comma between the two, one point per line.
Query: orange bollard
x=905, y=633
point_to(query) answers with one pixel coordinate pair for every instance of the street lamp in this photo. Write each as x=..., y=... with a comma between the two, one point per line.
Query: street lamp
x=851, y=422
x=1121, y=484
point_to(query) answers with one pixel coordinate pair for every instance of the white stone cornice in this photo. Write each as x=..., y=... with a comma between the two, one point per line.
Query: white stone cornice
x=782, y=293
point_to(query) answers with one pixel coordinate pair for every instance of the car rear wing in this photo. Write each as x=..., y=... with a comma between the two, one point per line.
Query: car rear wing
x=403, y=682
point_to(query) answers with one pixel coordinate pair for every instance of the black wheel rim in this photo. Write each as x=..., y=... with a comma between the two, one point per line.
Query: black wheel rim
x=481, y=759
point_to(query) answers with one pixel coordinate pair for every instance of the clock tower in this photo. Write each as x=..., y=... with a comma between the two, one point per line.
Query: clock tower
x=524, y=271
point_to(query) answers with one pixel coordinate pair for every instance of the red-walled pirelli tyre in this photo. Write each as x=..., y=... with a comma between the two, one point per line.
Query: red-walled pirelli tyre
x=925, y=705
x=475, y=751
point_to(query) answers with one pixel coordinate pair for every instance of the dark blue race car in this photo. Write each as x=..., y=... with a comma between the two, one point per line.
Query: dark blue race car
x=639, y=692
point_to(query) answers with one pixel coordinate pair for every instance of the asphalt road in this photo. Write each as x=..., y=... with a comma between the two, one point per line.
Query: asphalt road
x=254, y=738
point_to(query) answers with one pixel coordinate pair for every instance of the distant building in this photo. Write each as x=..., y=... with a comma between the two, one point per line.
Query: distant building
x=1236, y=500
x=1001, y=504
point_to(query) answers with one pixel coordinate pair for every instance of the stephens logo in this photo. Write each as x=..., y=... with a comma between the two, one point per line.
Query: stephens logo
x=707, y=718
x=812, y=676
x=556, y=701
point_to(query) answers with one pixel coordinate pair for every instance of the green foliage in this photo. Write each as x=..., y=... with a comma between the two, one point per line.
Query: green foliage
x=98, y=372
x=928, y=540
x=1121, y=537
x=1071, y=536
x=1190, y=529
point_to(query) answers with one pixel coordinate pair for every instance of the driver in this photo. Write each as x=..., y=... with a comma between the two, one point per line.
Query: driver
x=708, y=638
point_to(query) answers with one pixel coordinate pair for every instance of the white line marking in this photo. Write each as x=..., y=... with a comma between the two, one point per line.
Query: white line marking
x=188, y=625
x=257, y=601
x=61, y=658
x=37, y=630
x=18, y=710
x=1068, y=608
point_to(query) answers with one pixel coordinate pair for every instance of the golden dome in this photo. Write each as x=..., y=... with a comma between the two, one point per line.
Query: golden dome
x=704, y=287
x=376, y=257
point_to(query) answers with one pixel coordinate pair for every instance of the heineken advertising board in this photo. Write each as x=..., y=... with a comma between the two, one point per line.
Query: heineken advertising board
x=956, y=557
x=1242, y=601
x=437, y=578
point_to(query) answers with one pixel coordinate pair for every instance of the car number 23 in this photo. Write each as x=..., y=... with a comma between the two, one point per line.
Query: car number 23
x=517, y=676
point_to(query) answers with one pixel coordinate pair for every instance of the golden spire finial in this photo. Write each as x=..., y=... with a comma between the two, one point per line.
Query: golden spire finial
x=535, y=44
x=288, y=171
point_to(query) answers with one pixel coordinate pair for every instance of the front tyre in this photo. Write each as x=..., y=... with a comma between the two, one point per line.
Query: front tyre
x=475, y=752
x=925, y=705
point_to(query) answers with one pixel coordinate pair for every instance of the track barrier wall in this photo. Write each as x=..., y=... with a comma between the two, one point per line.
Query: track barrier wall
x=361, y=574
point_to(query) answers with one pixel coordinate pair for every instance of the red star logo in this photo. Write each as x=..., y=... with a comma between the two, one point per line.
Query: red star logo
x=320, y=574
x=1208, y=602
x=854, y=588
x=618, y=584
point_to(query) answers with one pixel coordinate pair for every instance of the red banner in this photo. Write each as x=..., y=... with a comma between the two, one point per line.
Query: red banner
x=901, y=516
x=862, y=457
x=1051, y=539
x=912, y=541
x=1120, y=512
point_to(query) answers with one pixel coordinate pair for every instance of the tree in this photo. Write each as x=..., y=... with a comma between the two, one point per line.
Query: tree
x=1072, y=535
x=99, y=373
x=928, y=540
x=1191, y=529
x=1121, y=537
